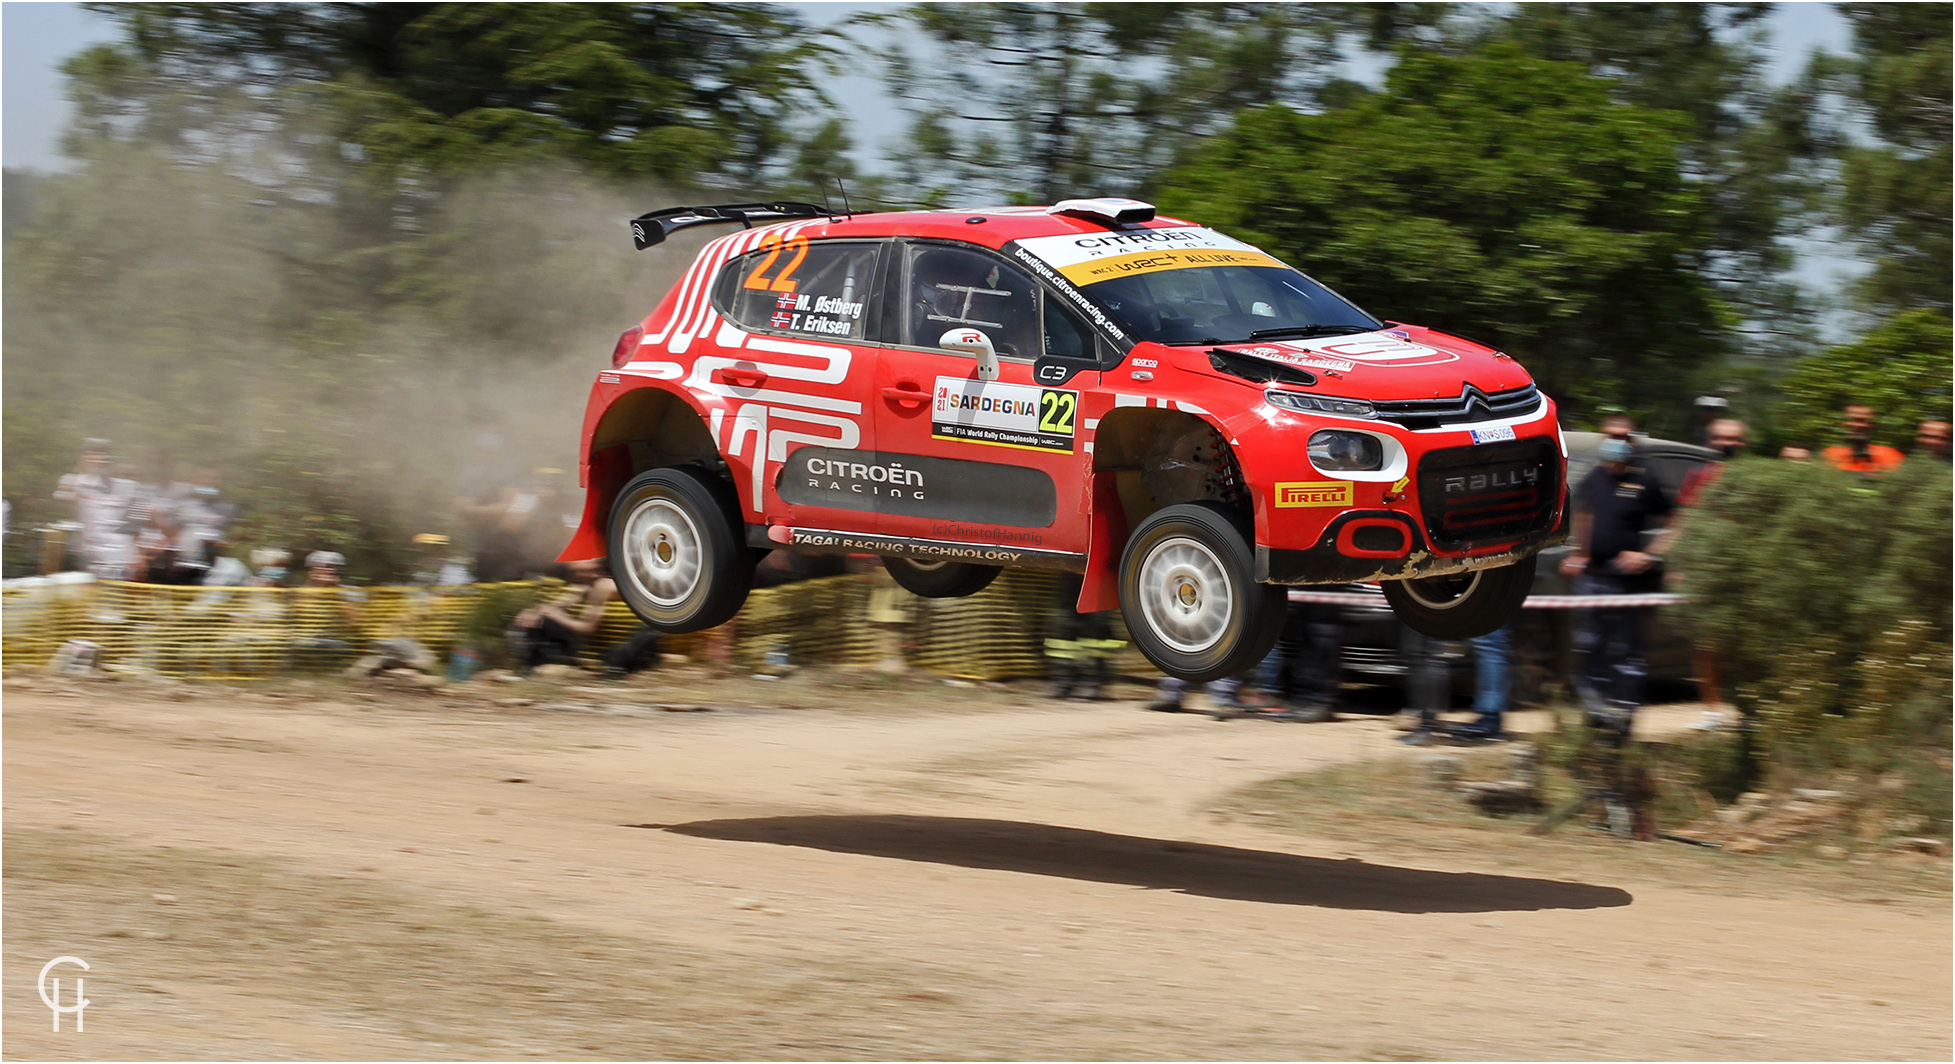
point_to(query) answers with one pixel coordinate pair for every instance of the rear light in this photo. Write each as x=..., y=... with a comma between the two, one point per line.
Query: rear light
x=627, y=346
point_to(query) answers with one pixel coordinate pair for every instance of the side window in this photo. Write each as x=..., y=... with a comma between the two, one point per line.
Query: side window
x=807, y=288
x=1065, y=335
x=947, y=287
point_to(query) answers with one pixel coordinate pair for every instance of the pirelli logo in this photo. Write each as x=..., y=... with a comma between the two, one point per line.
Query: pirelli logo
x=1313, y=493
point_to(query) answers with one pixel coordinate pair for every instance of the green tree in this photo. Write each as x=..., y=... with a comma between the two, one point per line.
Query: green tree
x=1505, y=197
x=1038, y=102
x=1752, y=147
x=1894, y=195
x=1901, y=369
x=675, y=91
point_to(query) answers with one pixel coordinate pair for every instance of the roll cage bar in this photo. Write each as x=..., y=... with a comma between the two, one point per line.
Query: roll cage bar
x=652, y=227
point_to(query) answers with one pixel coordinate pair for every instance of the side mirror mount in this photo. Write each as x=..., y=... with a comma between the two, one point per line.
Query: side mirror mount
x=973, y=341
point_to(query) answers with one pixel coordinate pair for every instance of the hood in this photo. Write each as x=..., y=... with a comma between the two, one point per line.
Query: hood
x=1397, y=362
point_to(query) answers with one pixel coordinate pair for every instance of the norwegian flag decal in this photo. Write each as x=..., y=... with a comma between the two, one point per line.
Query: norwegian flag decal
x=786, y=302
x=781, y=321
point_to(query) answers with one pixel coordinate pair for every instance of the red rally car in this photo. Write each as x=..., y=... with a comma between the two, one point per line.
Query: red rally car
x=1183, y=419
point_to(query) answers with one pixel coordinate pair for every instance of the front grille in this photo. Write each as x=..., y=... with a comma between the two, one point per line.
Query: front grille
x=1491, y=492
x=1469, y=406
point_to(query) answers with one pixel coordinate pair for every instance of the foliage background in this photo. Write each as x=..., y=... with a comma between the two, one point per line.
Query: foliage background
x=1826, y=598
x=366, y=256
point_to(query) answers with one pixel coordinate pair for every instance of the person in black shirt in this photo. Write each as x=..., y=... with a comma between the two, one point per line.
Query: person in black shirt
x=1616, y=503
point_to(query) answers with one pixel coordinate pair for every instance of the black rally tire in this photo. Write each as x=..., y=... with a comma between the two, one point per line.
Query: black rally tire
x=1462, y=605
x=677, y=554
x=930, y=579
x=1189, y=595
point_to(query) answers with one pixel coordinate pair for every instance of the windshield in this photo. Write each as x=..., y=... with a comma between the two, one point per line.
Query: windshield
x=1226, y=304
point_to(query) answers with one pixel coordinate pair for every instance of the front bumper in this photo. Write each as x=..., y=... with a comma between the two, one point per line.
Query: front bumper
x=1473, y=507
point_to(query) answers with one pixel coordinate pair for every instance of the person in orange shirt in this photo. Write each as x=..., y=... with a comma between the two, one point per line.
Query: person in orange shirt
x=1858, y=454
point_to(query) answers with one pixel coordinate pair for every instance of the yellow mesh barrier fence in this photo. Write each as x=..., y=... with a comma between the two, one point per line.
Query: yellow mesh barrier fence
x=244, y=633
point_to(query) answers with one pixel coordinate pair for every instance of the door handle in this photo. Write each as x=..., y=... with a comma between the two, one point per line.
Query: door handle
x=743, y=376
x=906, y=395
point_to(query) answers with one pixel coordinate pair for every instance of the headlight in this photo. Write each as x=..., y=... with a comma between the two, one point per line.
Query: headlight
x=1345, y=452
x=1321, y=404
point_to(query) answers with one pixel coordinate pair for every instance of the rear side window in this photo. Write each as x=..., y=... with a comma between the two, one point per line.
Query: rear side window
x=801, y=287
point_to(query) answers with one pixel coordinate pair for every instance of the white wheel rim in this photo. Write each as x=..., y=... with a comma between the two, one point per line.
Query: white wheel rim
x=922, y=566
x=1419, y=595
x=1185, y=594
x=663, y=554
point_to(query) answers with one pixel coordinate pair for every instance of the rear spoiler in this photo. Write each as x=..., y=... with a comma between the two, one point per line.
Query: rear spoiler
x=653, y=227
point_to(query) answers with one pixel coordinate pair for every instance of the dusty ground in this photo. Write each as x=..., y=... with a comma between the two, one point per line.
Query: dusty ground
x=891, y=872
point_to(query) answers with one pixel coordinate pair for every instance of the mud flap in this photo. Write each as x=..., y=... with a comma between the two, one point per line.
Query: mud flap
x=1106, y=537
x=606, y=474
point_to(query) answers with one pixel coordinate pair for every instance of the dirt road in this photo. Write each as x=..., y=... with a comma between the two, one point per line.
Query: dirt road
x=907, y=873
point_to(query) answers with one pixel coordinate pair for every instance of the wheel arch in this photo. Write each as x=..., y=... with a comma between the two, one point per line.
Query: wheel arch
x=644, y=428
x=1122, y=493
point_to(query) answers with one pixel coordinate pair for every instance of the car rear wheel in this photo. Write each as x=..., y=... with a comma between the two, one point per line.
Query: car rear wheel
x=1189, y=595
x=1461, y=605
x=676, y=552
x=939, y=579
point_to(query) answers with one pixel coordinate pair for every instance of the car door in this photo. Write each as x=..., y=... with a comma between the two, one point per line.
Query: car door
x=983, y=462
x=797, y=382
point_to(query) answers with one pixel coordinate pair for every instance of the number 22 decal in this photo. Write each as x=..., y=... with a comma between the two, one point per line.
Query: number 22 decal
x=1056, y=411
x=758, y=280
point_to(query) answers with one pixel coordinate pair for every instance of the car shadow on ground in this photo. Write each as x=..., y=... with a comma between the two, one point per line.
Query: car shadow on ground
x=1159, y=864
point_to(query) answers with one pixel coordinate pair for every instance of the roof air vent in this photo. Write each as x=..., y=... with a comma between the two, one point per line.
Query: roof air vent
x=1111, y=209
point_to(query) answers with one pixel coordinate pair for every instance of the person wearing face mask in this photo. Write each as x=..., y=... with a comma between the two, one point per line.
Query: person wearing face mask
x=1615, y=505
x=1726, y=436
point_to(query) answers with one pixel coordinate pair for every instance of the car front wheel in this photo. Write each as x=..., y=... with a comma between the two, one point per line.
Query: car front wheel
x=1461, y=605
x=938, y=579
x=1189, y=595
x=676, y=552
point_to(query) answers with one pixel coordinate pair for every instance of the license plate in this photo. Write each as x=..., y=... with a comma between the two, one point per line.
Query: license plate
x=1493, y=435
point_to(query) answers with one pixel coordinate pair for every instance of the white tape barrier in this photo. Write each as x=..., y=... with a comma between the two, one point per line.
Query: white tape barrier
x=1533, y=602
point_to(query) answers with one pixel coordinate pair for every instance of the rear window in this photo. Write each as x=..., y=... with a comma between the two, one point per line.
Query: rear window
x=800, y=287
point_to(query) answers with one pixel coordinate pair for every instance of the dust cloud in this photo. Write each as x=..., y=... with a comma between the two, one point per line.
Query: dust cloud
x=352, y=360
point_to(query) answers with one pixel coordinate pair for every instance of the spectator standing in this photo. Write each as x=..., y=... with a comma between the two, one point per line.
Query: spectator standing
x=1616, y=503
x=100, y=509
x=1493, y=684
x=1727, y=437
x=519, y=531
x=1300, y=676
x=1931, y=440
x=201, y=521
x=1077, y=645
x=1710, y=410
x=1859, y=454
